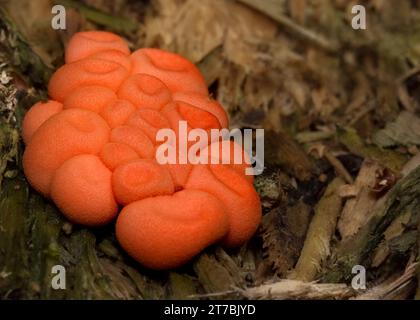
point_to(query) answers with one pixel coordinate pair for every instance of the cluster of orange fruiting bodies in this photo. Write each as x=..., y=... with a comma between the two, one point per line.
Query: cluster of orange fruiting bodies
x=91, y=149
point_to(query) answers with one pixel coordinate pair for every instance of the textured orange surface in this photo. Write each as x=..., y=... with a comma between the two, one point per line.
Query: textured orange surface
x=92, y=147
x=82, y=188
x=166, y=231
x=37, y=115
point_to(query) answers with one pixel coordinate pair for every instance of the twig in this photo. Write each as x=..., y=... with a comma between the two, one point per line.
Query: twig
x=387, y=290
x=312, y=136
x=287, y=23
x=359, y=115
x=358, y=209
x=295, y=289
x=287, y=289
x=214, y=294
x=317, y=243
x=338, y=166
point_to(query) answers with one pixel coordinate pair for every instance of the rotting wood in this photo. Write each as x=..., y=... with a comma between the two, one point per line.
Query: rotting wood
x=295, y=289
x=317, y=243
x=358, y=249
x=357, y=210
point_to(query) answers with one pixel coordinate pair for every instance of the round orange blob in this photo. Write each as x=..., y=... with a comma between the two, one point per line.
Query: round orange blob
x=172, y=112
x=176, y=72
x=150, y=121
x=116, y=154
x=179, y=173
x=228, y=153
x=87, y=43
x=93, y=98
x=237, y=195
x=165, y=232
x=85, y=72
x=196, y=117
x=140, y=179
x=81, y=189
x=37, y=115
x=117, y=112
x=67, y=134
x=115, y=56
x=136, y=139
x=145, y=91
x=205, y=103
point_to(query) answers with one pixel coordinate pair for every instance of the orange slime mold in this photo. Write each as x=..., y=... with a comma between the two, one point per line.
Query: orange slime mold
x=92, y=149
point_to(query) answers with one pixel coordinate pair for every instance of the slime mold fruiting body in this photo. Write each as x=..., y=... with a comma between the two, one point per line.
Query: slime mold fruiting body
x=92, y=148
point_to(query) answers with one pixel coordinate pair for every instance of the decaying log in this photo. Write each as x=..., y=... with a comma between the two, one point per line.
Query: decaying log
x=358, y=249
